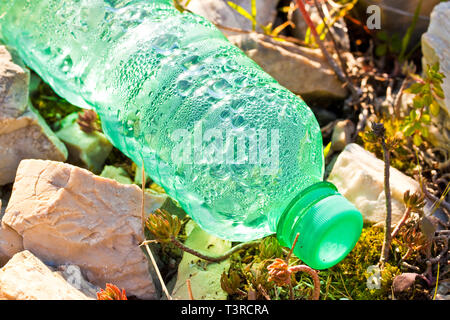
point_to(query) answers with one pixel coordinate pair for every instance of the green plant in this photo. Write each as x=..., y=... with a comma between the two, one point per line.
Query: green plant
x=166, y=227
x=413, y=203
x=338, y=11
x=267, y=29
x=393, y=45
x=231, y=283
x=269, y=248
x=181, y=5
x=51, y=107
x=428, y=91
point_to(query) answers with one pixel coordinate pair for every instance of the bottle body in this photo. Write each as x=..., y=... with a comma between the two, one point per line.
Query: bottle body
x=167, y=84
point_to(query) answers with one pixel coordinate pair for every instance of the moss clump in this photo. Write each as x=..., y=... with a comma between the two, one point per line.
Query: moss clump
x=50, y=106
x=348, y=279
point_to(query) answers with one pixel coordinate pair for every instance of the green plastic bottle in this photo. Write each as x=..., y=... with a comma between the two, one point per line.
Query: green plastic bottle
x=241, y=154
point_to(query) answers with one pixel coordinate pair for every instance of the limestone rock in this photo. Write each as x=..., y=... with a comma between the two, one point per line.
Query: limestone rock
x=88, y=150
x=302, y=70
x=116, y=173
x=342, y=133
x=219, y=12
x=74, y=276
x=67, y=215
x=26, y=137
x=14, y=79
x=359, y=176
x=25, y=277
x=23, y=133
x=205, y=279
x=10, y=242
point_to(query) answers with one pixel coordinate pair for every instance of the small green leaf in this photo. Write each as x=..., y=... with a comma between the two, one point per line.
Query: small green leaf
x=382, y=35
x=242, y=11
x=417, y=102
x=415, y=88
x=417, y=140
x=409, y=130
x=396, y=43
x=435, y=108
x=427, y=99
x=439, y=92
x=425, y=132
x=327, y=149
x=426, y=118
x=381, y=50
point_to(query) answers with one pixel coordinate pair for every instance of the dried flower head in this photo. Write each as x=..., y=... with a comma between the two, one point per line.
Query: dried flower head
x=415, y=201
x=280, y=273
x=88, y=121
x=163, y=226
x=111, y=293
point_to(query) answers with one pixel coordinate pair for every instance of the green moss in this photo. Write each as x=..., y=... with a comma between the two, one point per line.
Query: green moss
x=347, y=280
x=50, y=106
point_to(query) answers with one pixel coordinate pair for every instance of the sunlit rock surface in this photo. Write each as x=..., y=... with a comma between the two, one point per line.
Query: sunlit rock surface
x=359, y=176
x=67, y=215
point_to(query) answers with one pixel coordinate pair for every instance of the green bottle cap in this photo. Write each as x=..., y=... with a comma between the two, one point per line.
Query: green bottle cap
x=328, y=224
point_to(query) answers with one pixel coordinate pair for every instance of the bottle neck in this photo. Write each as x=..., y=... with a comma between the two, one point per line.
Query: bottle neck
x=299, y=206
x=328, y=224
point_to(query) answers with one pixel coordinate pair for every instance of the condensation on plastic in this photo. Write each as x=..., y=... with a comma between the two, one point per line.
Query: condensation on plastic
x=148, y=70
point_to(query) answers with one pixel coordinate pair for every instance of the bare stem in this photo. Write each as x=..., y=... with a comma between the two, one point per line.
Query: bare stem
x=340, y=74
x=189, y=288
x=292, y=248
x=333, y=39
x=143, y=200
x=314, y=276
x=401, y=223
x=155, y=266
x=387, y=191
x=220, y=258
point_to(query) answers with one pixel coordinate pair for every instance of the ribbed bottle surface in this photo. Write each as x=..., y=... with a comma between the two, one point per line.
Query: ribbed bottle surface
x=153, y=73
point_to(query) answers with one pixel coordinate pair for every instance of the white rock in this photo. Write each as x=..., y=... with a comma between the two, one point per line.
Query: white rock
x=116, y=173
x=23, y=133
x=74, y=276
x=302, y=70
x=25, y=277
x=219, y=12
x=87, y=150
x=342, y=133
x=359, y=176
x=205, y=281
x=14, y=79
x=10, y=242
x=26, y=137
x=67, y=215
